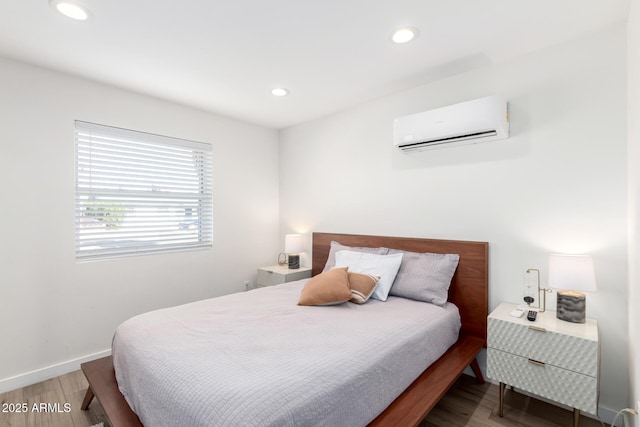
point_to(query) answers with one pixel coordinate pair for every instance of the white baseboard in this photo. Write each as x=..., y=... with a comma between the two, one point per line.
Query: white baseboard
x=49, y=372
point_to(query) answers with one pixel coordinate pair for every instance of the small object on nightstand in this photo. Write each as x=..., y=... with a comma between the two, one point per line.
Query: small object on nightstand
x=529, y=292
x=517, y=312
x=530, y=279
x=531, y=315
x=282, y=259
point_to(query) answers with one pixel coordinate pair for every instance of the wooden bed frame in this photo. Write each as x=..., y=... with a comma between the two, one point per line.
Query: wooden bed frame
x=469, y=291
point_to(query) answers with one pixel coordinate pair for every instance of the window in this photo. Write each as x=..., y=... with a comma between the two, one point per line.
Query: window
x=139, y=193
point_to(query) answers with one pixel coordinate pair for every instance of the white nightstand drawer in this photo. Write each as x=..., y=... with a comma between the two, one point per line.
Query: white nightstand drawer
x=561, y=385
x=276, y=274
x=535, y=342
x=269, y=278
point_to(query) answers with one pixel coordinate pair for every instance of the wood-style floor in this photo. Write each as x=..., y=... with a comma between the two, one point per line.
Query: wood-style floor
x=69, y=388
x=470, y=404
x=466, y=404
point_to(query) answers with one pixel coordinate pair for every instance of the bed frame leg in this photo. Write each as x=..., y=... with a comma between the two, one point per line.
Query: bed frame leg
x=476, y=371
x=87, y=399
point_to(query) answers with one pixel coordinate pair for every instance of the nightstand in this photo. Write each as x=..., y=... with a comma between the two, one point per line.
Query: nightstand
x=551, y=358
x=276, y=274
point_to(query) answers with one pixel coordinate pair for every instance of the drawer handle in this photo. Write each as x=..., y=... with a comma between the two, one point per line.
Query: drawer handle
x=537, y=328
x=535, y=362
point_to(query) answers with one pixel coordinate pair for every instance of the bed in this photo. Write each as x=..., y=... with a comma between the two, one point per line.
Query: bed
x=403, y=390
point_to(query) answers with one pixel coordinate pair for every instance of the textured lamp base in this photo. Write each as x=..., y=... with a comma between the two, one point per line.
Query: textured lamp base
x=571, y=306
x=294, y=262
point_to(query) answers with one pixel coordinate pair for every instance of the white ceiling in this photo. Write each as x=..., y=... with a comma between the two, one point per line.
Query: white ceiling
x=226, y=56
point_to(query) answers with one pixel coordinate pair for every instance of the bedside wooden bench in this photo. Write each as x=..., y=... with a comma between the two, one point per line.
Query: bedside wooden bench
x=102, y=384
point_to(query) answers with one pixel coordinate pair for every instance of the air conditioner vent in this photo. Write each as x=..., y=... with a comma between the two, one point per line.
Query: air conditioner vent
x=480, y=120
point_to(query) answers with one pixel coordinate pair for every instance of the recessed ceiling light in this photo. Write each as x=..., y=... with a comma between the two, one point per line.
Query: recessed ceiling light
x=280, y=91
x=404, y=35
x=70, y=9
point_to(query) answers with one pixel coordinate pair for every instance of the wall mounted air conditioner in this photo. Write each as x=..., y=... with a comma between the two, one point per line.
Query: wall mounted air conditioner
x=480, y=120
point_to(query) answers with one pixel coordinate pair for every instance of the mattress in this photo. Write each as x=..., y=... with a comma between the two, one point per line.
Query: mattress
x=258, y=359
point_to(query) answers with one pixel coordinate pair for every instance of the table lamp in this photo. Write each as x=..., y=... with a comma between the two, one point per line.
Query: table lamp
x=293, y=247
x=571, y=275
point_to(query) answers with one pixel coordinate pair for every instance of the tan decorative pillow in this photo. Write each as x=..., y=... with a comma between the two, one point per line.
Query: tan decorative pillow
x=362, y=286
x=328, y=288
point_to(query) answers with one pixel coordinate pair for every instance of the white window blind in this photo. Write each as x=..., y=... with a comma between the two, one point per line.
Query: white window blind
x=139, y=193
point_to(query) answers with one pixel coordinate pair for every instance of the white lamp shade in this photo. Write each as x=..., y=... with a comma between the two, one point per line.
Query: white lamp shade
x=293, y=243
x=572, y=272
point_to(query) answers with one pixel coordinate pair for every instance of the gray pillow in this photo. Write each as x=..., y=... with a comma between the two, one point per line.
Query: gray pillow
x=424, y=276
x=335, y=247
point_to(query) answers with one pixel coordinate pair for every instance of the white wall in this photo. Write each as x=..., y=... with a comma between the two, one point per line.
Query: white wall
x=557, y=185
x=53, y=310
x=633, y=127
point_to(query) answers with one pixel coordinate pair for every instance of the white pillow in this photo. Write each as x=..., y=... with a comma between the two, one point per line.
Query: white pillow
x=385, y=266
x=335, y=247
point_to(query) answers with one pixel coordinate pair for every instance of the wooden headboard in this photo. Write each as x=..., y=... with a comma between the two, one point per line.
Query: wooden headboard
x=469, y=287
